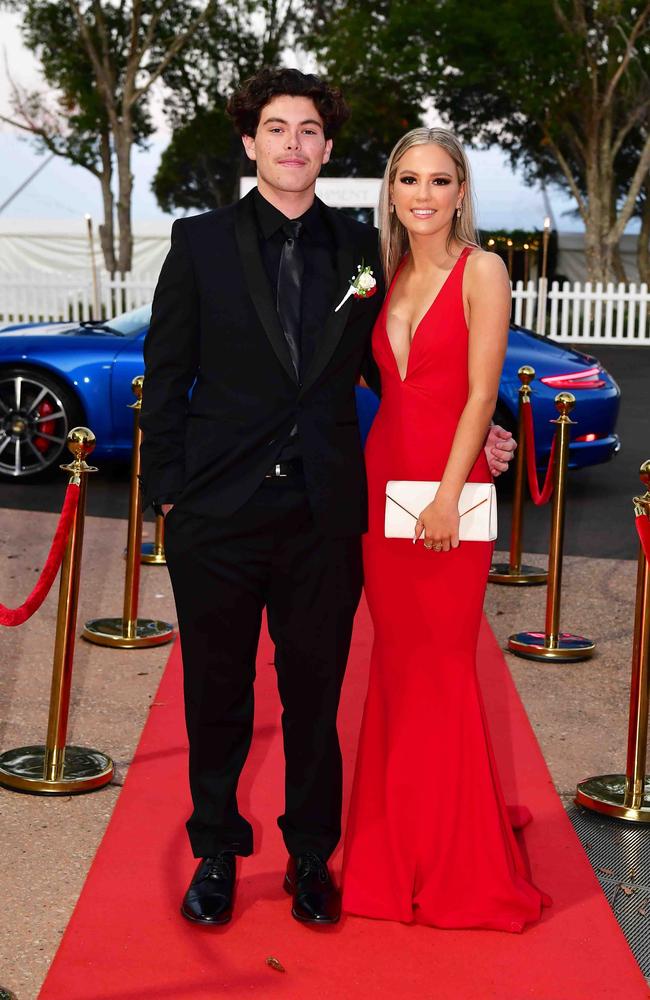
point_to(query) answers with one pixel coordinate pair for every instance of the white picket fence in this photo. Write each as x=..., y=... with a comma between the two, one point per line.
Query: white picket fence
x=40, y=297
x=604, y=314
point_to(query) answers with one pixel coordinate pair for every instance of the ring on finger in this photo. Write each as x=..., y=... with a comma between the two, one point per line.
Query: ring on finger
x=428, y=546
x=437, y=547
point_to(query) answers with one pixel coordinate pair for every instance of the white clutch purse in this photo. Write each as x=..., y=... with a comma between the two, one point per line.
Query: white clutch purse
x=406, y=498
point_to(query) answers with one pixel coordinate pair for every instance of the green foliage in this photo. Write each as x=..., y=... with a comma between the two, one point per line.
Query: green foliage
x=508, y=73
x=201, y=166
x=563, y=86
x=356, y=44
x=373, y=52
x=101, y=58
x=75, y=119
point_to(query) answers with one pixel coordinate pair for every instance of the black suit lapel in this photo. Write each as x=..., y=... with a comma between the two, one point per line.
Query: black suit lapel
x=346, y=267
x=257, y=282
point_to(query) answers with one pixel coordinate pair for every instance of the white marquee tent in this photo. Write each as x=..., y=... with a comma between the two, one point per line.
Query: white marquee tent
x=60, y=246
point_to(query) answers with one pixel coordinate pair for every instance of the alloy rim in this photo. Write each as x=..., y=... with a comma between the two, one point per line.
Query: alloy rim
x=33, y=426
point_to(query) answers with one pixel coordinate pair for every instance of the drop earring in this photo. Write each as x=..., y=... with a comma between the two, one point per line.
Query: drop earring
x=458, y=211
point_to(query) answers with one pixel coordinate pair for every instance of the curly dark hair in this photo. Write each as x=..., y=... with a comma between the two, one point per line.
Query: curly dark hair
x=245, y=105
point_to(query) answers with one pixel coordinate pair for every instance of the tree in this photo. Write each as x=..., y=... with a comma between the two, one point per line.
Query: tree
x=201, y=167
x=102, y=58
x=358, y=46
x=561, y=81
x=625, y=165
x=561, y=85
x=367, y=49
x=643, y=243
x=203, y=164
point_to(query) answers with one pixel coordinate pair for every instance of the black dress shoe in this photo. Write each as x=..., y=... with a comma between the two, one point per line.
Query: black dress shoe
x=209, y=897
x=316, y=900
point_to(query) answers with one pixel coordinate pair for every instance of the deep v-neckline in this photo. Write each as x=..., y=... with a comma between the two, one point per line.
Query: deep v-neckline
x=389, y=296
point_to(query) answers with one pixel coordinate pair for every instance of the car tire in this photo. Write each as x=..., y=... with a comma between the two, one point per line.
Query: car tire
x=37, y=411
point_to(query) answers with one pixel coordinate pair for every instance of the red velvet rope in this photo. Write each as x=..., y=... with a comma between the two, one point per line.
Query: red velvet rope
x=643, y=528
x=543, y=495
x=16, y=616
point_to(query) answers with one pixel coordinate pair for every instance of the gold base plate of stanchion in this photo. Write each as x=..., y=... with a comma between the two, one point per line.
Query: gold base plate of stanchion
x=567, y=649
x=112, y=632
x=606, y=794
x=84, y=770
x=151, y=555
x=526, y=576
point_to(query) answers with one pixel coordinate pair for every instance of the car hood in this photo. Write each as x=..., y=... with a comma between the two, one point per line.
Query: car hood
x=44, y=328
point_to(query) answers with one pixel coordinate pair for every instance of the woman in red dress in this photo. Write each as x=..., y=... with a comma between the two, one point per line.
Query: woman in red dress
x=429, y=837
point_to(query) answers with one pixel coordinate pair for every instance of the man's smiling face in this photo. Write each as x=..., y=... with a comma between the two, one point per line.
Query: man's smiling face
x=289, y=146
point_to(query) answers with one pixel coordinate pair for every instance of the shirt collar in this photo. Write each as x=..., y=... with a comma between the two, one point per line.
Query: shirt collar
x=271, y=219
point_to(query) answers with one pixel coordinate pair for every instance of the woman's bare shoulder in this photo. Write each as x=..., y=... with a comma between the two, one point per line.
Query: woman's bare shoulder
x=484, y=268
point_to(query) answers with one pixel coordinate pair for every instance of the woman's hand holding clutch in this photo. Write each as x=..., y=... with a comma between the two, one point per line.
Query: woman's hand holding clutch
x=438, y=524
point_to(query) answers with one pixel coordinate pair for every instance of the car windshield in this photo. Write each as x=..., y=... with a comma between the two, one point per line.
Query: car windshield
x=131, y=323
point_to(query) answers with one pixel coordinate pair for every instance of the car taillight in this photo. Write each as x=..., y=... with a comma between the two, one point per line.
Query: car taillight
x=584, y=378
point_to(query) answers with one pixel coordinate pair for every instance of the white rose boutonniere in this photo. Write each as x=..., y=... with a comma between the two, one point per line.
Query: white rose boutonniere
x=362, y=285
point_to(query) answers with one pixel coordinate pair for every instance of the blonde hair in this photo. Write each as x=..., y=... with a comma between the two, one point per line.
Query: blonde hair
x=393, y=235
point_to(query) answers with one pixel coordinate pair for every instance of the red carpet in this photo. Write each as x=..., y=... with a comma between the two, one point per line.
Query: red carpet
x=127, y=941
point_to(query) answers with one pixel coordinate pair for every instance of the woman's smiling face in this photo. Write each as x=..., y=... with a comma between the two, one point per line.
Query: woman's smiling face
x=426, y=191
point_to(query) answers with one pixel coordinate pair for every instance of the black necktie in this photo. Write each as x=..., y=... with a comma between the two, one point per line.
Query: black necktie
x=289, y=289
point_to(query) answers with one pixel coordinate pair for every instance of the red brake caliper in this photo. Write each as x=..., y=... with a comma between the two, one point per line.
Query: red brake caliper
x=47, y=427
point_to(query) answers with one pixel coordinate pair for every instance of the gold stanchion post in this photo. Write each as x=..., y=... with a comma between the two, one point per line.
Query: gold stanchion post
x=627, y=796
x=513, y=572
x=57, y=769
x=129, y=631
x=561, y=647
x=153, y=553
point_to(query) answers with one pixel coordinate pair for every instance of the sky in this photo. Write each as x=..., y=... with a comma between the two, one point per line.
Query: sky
x=63, y=191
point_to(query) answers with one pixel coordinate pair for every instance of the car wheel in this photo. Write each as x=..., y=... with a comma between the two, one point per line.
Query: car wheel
x=36, y=413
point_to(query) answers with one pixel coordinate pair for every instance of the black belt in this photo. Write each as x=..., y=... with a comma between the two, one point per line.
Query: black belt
x=283, y=469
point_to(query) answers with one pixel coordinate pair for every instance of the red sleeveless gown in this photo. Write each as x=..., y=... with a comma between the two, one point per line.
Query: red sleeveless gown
x=429, y=837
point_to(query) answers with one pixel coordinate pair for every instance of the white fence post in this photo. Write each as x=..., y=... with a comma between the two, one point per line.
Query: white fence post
x=540, y=324
x=643, y=313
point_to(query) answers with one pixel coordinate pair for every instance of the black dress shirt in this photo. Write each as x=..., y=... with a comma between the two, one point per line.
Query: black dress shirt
x=319, y=277
x=318, y=282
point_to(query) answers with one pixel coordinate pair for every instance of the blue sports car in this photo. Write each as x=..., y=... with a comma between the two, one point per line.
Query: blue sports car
x=55, y=376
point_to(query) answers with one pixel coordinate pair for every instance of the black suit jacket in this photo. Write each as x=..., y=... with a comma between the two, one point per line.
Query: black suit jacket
x=214, y=325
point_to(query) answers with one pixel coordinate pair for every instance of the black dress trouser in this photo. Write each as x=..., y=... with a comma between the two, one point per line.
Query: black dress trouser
x=223, y=573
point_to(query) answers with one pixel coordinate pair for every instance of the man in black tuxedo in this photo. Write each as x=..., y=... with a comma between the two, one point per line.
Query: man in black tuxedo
x=260, y=474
